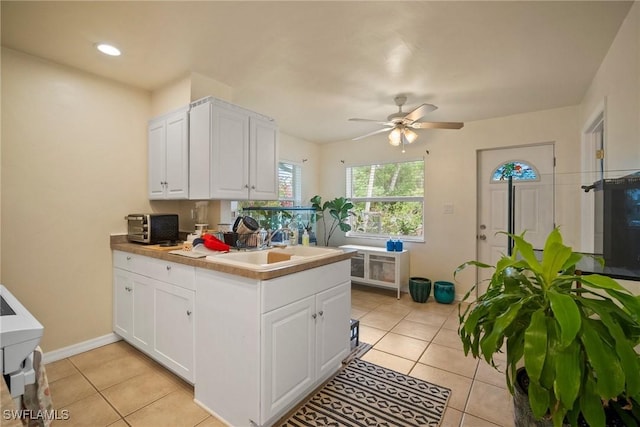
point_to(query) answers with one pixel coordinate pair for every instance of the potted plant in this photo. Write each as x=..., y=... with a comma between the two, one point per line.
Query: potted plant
x=574, y=334
x=339, y=210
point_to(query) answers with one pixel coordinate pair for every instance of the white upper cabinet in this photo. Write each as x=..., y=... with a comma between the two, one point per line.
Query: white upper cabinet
x=233, y=153
x=169, y=156
x=263, y=159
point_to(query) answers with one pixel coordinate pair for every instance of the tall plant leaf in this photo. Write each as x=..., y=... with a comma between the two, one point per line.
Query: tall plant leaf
x=489, y=344
x=555, y=256
x=568, y=374
x=610, y=376
x=526, y=250
x=567, y=314
x=626, y=352
x=535, y=345
x=539, y=399
x=591, y=404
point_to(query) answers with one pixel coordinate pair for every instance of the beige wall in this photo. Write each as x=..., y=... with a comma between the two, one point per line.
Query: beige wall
x=451, y=179
x=617, y=86
x=73, y=165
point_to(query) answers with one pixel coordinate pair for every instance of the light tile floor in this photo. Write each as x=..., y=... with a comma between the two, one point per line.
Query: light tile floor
x=421, y=340
x=118, y=386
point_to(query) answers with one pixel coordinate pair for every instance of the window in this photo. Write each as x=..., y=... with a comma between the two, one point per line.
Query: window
x=289, y=184
x=520, y=171
x=388, y=199
x=289, y=188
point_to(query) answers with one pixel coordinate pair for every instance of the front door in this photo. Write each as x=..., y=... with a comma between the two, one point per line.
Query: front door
x=533, y=200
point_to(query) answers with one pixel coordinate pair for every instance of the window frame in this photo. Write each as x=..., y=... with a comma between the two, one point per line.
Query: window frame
x=419, y=199
x=296, y=183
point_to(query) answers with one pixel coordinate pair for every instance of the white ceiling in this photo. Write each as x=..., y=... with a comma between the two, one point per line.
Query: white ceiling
x=313, y=64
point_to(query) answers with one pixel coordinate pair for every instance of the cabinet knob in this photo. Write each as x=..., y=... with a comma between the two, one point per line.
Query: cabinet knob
x=321, y=313
x=246, y=186
x=168, y=267
x=253, y=187
x=188, y=312
x=128, y=258
x=127, y=288
x=314, y=315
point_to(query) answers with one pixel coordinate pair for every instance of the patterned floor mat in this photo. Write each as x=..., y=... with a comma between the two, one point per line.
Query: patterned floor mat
x=364, y=394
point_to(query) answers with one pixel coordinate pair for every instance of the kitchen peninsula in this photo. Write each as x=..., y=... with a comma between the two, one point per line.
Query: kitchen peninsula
x=254, y=342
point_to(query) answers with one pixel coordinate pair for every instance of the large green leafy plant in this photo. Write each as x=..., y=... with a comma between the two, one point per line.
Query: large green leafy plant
x=575, y=333
x=339, y=210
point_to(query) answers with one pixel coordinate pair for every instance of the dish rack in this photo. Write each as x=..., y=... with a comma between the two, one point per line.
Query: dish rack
x=238, y=240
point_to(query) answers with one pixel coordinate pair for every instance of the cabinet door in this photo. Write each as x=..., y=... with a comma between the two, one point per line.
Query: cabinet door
x=382, y=269
x=122, y=303
x=263, y=159
x=230, y=154
x=142, y=331
x=288, y=361
x=157, y=159
x=332, y=328
x=177, y=156
x=174, y=328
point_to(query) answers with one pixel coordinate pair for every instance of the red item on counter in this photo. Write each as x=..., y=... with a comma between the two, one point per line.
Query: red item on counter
x=215, y=244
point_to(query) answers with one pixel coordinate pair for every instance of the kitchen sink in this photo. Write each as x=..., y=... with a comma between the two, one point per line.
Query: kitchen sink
x=267, y=259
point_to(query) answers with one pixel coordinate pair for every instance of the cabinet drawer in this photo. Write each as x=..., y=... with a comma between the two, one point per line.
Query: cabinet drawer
x=166, y=271
x=170, y=272
x=127, y=261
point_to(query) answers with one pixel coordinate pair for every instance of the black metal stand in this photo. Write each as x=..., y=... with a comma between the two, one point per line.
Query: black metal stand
x=510, y=215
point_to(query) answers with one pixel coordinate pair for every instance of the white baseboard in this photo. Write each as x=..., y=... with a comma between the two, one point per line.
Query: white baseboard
x=72, y=350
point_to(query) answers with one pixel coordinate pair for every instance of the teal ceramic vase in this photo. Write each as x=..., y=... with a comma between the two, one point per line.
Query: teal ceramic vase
x=420, y=289
x=444, y=292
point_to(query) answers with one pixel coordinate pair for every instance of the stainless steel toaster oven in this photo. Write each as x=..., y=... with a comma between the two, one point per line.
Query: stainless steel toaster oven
x=152, y=228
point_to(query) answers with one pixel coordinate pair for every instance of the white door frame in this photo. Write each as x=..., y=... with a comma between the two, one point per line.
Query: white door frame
x=589, y=172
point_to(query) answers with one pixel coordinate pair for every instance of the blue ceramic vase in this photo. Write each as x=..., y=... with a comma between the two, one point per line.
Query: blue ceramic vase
x=444, y=292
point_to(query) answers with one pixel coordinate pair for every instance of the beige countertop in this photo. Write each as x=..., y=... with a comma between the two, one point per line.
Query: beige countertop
x=120, y=243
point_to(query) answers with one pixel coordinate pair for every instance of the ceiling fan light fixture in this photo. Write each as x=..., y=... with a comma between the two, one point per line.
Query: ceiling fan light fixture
x=395, y=137
x=410, y=135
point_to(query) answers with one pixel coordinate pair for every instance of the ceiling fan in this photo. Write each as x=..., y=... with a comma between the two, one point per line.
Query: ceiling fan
x=400, y=124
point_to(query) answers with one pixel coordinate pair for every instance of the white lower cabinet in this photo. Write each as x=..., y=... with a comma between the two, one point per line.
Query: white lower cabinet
x=122, y=303
x=154, y=315
x=302, y=342
x=173, y=326
x=262, y=346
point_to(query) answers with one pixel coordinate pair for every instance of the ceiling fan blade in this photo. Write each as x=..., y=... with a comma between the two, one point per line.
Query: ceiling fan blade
x=372, y=133
x=419, y=112
x=436, y=125
x=373, y=121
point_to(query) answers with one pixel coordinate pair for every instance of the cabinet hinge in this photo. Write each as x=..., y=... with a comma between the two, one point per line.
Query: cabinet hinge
x=599, y=154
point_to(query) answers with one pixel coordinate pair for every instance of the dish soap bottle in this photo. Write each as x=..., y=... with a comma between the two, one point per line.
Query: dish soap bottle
x=305, y=238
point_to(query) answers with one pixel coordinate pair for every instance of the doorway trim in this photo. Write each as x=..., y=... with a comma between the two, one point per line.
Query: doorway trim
x=593, y=134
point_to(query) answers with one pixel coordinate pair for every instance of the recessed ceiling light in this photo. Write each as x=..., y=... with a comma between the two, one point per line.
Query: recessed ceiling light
x=107, y=49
